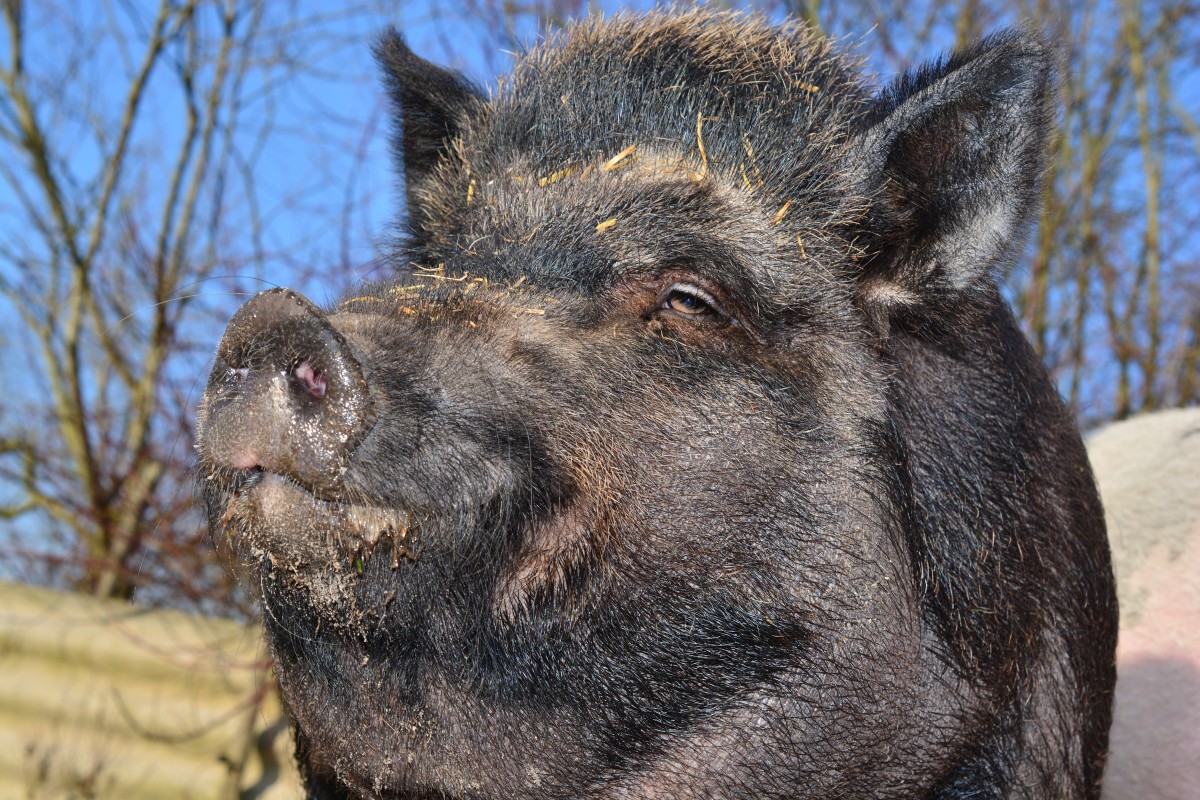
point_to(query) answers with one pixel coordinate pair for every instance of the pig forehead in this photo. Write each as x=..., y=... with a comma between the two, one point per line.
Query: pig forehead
x=654, y=73
x=777, y=104
x=774, y=143
x=584, y=227
x=650, y=81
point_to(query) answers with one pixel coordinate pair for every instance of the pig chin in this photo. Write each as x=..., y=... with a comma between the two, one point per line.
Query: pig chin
x=321, y=545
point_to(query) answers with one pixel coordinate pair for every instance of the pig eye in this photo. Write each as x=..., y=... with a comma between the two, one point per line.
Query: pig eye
x=689, y=300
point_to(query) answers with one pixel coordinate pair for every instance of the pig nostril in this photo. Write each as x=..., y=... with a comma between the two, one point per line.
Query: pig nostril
x=312, y=379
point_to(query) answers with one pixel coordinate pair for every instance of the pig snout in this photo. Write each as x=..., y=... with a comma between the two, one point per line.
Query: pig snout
x=286, y=395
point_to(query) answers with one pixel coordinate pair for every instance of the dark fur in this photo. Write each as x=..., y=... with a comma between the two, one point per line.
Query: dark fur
x=834, y=537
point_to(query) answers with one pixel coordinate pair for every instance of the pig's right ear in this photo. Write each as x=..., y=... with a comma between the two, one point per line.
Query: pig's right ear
x=431, y=103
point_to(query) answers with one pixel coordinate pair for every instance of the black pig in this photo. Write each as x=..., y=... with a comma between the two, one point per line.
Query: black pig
x=693, y=452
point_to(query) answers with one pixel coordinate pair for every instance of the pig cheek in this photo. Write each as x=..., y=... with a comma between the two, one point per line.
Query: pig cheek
x=552, y=552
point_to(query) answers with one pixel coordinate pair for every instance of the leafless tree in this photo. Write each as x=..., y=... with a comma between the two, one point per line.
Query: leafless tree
x=131, y=142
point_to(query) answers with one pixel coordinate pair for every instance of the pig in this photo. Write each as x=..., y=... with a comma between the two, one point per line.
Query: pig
x=689, y=450
x=1148, y=470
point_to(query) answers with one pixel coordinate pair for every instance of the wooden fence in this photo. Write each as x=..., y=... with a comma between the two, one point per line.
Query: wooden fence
x=102, y=700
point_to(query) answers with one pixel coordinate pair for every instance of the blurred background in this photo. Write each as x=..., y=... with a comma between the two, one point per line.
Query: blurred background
x=159, y=163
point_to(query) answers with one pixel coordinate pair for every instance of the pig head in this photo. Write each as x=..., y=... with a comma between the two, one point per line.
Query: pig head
x=690, y=452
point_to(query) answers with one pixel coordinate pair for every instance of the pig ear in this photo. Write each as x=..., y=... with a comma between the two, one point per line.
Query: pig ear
x=952, y=160
x=431, y=103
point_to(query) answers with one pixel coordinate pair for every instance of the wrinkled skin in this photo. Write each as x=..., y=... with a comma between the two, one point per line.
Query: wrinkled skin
x=692, y=451
x=1148, y=470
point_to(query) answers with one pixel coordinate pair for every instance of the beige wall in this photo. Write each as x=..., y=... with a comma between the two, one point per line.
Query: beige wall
x=103, y=700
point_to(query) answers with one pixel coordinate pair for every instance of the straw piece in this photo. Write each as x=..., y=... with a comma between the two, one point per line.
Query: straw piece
x=781, y=213
x=615, y=161
x=555, y=177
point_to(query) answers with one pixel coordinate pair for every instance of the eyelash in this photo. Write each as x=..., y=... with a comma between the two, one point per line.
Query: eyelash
x=695, y=301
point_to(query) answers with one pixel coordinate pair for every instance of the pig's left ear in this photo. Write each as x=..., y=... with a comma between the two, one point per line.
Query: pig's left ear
x=432, y=104
x=951, y=161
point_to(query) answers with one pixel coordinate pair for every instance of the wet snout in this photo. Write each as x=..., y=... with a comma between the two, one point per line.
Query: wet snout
x=286, y=395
